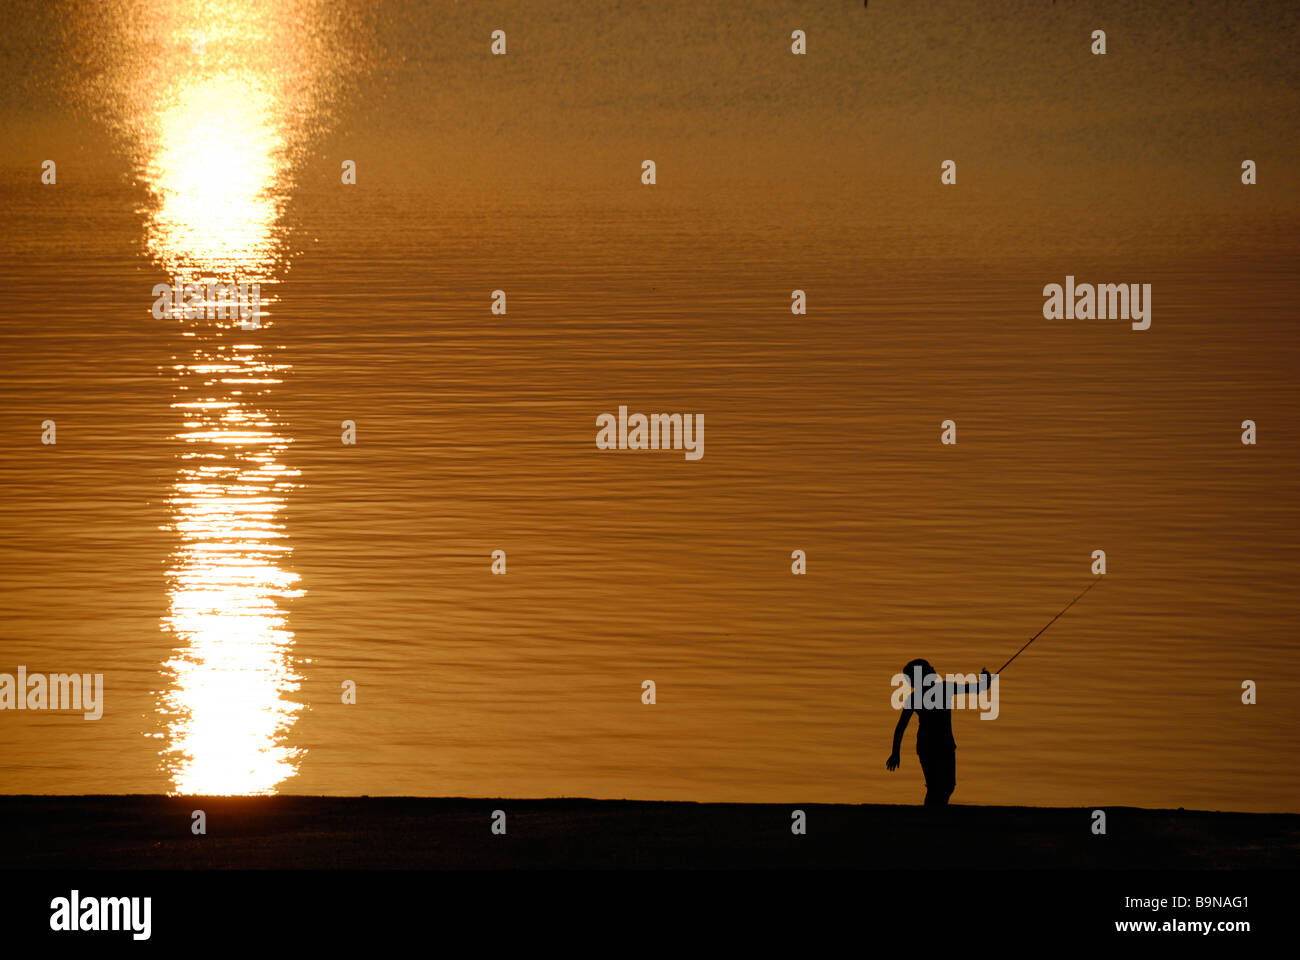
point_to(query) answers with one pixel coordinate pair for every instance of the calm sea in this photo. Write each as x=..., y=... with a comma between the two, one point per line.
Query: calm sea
x=201, y=536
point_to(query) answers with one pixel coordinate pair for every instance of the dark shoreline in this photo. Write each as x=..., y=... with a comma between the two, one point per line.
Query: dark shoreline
x=298, y=832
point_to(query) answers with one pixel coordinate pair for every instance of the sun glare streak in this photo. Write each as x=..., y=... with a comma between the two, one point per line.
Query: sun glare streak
x=230, y=702
x=213, y=132
x=214, y=179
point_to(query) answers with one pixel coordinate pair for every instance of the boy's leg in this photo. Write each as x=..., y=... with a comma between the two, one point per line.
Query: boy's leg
x=940, y=771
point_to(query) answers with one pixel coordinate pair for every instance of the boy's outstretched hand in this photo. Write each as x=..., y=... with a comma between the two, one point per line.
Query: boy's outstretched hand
x=892, y=762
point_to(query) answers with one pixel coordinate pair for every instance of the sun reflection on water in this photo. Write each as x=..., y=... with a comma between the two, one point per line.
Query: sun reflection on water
x=229, y=702
x=214, y=127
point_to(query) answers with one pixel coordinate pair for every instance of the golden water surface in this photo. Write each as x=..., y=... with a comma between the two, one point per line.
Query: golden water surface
x=200, y=535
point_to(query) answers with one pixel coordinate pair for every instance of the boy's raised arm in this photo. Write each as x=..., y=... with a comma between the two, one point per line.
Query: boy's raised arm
x=985, y=680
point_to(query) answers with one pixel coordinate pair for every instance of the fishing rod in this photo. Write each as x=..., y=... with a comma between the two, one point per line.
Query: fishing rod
x=1048, y=624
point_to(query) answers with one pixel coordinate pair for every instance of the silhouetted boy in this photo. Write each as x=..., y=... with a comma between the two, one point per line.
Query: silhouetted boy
x=935, y=746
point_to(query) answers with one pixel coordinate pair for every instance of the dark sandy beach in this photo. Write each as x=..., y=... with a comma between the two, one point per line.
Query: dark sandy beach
x=288, y=832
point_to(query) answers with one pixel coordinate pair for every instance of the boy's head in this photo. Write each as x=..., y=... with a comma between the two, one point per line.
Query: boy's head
x=909, y=671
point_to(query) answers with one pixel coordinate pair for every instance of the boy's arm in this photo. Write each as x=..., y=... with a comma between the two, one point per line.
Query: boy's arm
x=986, y=679
x=904, y=715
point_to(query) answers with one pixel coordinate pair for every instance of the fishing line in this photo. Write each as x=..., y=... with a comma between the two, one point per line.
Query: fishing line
x=1048, y=624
